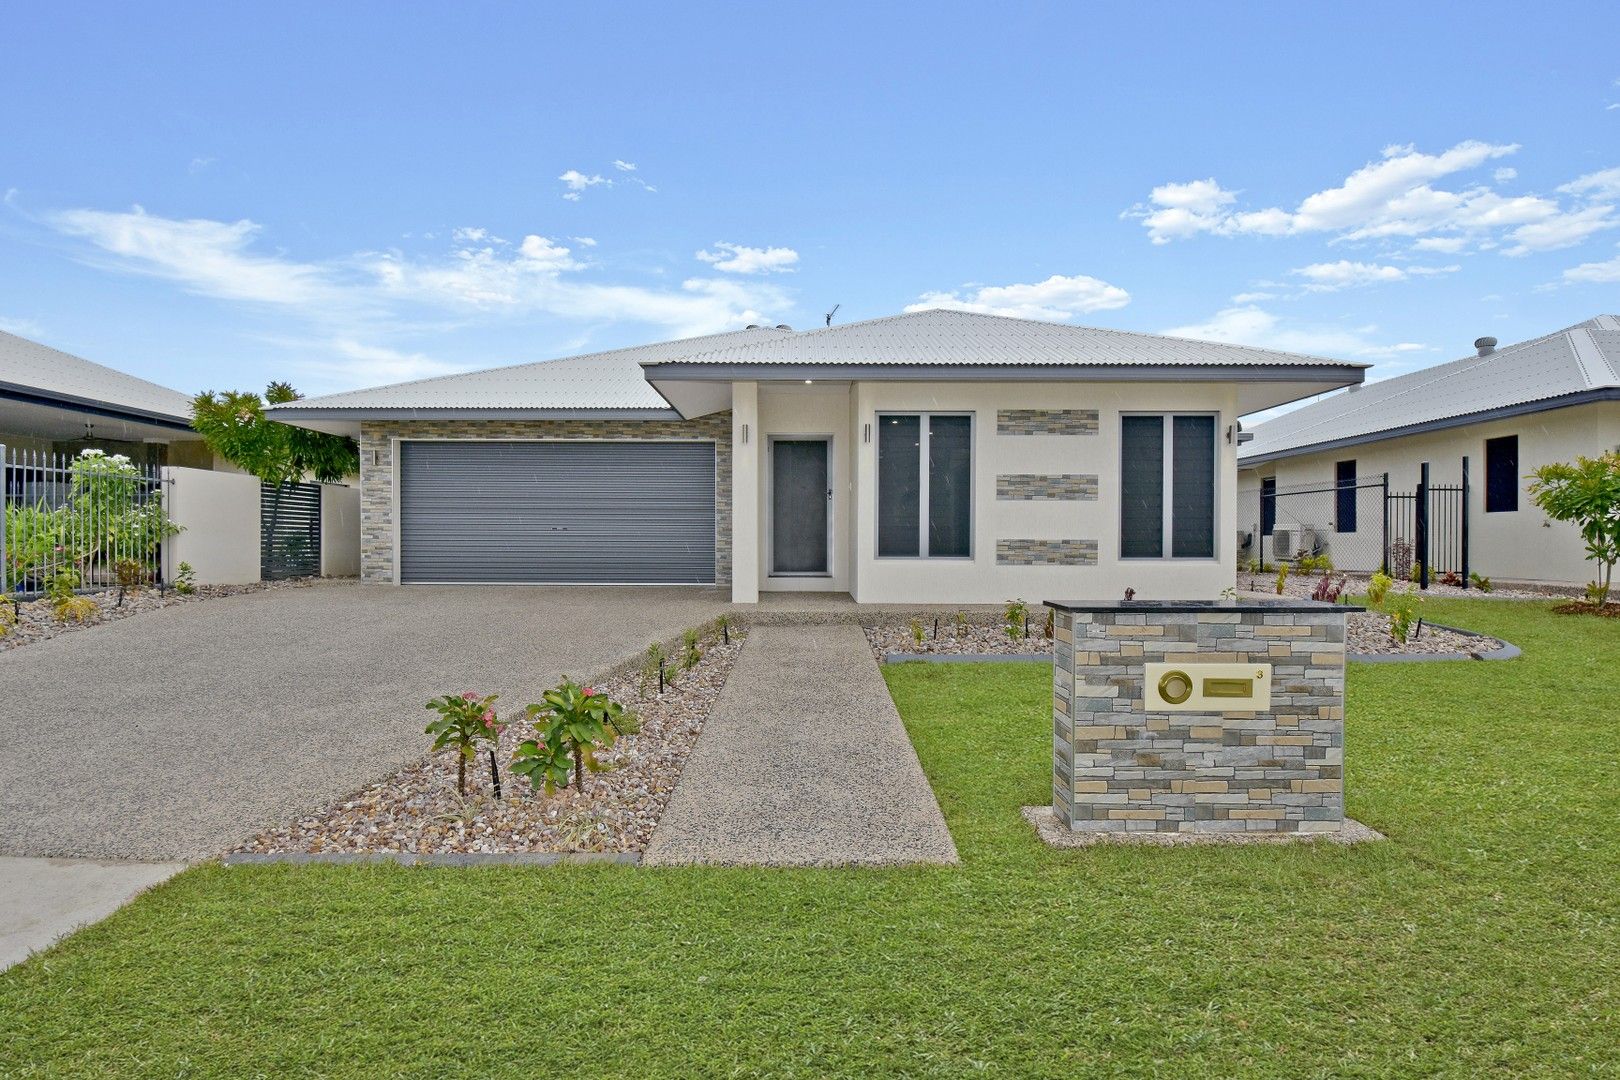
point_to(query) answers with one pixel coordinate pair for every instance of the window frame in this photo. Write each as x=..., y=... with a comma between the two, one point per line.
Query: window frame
x=1167, y=543
x=1490, y=488
x=924, y=436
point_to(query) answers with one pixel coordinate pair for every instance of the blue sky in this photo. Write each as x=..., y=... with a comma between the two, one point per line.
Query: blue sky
x=345, y=194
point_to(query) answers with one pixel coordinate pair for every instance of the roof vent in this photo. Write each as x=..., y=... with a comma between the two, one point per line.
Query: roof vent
x=752, y=326
x=783, y=326
x=1485, y=345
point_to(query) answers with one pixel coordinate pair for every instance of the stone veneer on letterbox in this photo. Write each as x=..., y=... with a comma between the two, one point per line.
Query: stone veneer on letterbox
x=377, y=479
x=1119, y=768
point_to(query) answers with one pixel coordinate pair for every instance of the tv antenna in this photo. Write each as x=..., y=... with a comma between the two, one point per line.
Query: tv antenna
x=833, y=312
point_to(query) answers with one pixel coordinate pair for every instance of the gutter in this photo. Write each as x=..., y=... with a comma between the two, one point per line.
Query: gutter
x=679, y=371
x=1505, y=412
x=291, y=411
x=34, y=396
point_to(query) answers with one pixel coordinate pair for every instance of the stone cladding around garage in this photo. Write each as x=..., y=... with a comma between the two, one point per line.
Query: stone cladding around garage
x=377, y=473
x=1119, y=768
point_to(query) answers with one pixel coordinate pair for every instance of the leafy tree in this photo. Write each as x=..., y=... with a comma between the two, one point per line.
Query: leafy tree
x=235, y=426
x=1586, y=493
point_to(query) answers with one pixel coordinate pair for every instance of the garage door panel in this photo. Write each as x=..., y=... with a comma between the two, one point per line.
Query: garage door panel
x=535, y=512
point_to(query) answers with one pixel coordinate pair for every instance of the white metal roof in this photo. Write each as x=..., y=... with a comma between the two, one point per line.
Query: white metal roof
x=1578, y=363
x=39, y=370
x=609, y=380
x=939, y=336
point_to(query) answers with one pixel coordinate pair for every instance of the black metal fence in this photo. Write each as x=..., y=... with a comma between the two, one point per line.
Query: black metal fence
x=289, y=531
x=82, y=521
x=1362, y=526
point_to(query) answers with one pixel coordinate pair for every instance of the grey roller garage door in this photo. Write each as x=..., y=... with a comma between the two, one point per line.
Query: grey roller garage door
x=557, y=512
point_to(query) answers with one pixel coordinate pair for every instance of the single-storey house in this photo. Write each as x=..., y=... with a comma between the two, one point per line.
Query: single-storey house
x=932, y=457
x=52, y=402
x=1505, y=410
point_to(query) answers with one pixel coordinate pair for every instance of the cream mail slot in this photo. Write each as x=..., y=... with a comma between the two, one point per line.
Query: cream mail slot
x=1206, y=687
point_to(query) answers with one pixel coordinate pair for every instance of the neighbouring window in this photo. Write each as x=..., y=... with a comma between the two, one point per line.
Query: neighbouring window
x=1502, y=474
x=1344, y=499
x=1268, y=506
x=1167, y=487
x=925, y=460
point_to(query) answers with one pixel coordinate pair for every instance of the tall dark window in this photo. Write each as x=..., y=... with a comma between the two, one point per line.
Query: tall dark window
x=925, y=460
x=1502, y=474
x=1167, y=486
x=1344, y=498
x=1268, y=506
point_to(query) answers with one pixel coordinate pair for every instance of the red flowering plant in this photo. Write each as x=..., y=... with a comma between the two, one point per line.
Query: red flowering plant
x=465, y=720
x=572, y=724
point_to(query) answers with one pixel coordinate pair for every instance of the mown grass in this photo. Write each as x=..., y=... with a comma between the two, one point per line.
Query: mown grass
x=1481, y=938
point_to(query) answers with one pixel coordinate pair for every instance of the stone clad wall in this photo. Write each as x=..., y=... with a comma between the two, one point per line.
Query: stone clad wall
x=377, y=469
x=1119, y=768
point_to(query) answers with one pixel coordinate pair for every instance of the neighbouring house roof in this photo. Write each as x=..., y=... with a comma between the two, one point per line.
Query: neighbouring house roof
x=1569, y=367
x=597, y=383
x=40, y=375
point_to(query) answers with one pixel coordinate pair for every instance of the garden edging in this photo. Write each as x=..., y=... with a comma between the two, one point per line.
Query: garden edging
x=1508, y=651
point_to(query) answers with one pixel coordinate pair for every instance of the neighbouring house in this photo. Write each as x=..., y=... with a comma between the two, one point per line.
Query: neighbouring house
x=52, y=402
x=1311, y=479
x=931, y=457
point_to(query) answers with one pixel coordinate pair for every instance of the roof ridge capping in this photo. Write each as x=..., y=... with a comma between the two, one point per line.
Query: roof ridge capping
x=816, y=339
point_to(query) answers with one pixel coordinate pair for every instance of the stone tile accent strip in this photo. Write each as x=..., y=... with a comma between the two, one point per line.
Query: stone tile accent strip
x=1046, y=553
x=377, y=476
x=1046, y=422
x=1119, y=768
x=763, y=786
x=1061, y=486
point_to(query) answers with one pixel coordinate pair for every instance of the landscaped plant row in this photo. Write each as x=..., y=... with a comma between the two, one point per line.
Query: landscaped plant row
x=589, y=767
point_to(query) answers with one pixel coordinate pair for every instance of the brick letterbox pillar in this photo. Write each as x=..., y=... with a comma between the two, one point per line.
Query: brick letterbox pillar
x=1199, y=717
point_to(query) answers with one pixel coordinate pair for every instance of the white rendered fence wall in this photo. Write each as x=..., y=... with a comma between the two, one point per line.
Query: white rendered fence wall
x=219, y=516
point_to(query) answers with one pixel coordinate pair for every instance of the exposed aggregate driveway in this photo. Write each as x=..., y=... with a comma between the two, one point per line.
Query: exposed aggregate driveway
x=177, y=733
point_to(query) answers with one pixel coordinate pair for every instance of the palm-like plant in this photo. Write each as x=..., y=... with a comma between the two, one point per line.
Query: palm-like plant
x=572, y=724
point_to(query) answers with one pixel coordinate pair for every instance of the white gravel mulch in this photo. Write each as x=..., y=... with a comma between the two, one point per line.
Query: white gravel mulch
x=1367, y=633
x=36, y=621
x=1299, y=587
x=418, y=810
x=977, y=637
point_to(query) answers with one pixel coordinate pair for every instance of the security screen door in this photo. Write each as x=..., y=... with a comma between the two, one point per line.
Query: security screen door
x=800, y=501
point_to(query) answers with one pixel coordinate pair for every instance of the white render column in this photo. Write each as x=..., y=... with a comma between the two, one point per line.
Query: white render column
x=745, y=458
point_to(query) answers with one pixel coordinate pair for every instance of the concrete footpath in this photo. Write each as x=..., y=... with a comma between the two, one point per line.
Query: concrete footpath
x=803, y=762
x=45, y=899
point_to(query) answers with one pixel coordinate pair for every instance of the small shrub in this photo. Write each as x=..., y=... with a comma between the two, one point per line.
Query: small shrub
x=1378, y=588
x=1400, y=560
x=1050, y=628
x=465, y=720
x=960, y=621
x=1328, y=589
x=8, y=615
x=918, y=631
x=722, y=627
x=1282, y=577
x=651, y=664
x=61, y=586
x=1452, y=578
x=572, y=724
x=1480, y=582
x=1415, y=573
x=1016, y=618
x=76, y=609
x=185, y=579
x=1597, y=593
x=690, y=652
x=131, y=573
x=1403, y=613
x=1314, y=564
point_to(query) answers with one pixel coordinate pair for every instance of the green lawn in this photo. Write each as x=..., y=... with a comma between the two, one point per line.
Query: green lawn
x=1481, y=938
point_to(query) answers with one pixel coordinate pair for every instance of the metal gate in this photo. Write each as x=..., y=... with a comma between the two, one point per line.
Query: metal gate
x=559, y=512
x=1362, y=526
x=91, y=519
x=289, y=531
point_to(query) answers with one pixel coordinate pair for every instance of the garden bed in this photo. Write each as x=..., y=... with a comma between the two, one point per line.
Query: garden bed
x=37, y=621
x=1299, y=587
x=418, y=810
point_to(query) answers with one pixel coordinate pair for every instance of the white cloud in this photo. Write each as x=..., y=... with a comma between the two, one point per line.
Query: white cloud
x=27, y=328
x=738, y=259
x=624, y=166
x=206, y=257
x=1057, y=298
x=1252, y=325
x=583, y=241
x=198, y=164
x=1252, y=297
x=577, y=183
x=468, y=235
x=1602, y=272
x=326, y=367
x=1395, y=198
x=1345, y=274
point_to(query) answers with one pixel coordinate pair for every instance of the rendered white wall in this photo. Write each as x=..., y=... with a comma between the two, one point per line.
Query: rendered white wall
x=219, y=516
x=340, y=531
x=745, y=454
x=788, y=411
x=1521, y=545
